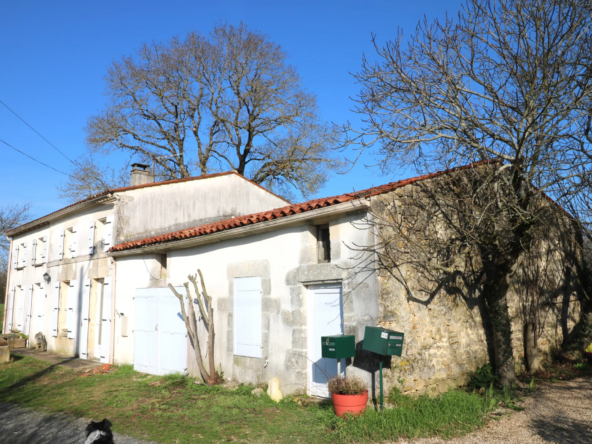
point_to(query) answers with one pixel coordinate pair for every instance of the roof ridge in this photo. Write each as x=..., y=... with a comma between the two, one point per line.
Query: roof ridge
x=35, y=222
x=285, y=211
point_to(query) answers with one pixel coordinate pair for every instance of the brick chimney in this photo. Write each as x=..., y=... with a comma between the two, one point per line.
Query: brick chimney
x=140, y=175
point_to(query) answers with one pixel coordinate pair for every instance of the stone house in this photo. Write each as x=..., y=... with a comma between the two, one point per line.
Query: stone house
x=281, y=276
x=62, y=278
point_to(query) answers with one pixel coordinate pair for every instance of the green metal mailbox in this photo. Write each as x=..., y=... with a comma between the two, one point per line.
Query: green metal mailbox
x=338, y=346
x=383, y=342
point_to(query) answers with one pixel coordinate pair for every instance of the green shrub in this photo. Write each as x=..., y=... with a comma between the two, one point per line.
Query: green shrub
x=483, y=378
x=449, y=414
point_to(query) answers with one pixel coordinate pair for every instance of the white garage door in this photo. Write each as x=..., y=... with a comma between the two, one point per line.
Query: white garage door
x=160, y=336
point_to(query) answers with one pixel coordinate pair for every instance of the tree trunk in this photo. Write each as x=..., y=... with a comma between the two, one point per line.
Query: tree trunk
x=531, y=351
x=495, y=290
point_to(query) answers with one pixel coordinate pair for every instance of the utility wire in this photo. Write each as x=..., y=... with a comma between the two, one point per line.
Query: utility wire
x=32, y=158
x=23, y=120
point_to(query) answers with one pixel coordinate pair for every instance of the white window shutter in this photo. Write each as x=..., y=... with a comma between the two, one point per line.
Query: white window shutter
x=91, y=238
x=72, y=313
x=74, y=243
x=108, y=233
x=247, y=317
x=84, y=319
x=40, y=303
x=28, y=310
x=10, y=309
x=44, y=251
x=15, y=258
x=106, y=319
x=34, y=252
x=24, y=255
x=62, y=237
x=55, y=309
x=20, y=315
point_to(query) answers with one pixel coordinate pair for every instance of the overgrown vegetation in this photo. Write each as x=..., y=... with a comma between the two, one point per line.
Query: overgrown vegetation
x=348, y=385
x=1, y=317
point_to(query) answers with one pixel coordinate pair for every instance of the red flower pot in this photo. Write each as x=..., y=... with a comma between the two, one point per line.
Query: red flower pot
x=354, y=404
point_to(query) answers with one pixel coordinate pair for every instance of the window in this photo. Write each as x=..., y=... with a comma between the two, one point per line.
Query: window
x=100, y=236
x=39, y=252
x=247, y=317
x=21, y=255
x=68, y=244
x=323, y=243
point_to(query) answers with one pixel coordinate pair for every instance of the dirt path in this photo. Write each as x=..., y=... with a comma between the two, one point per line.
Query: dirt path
x=19, y=425
x=558, y=413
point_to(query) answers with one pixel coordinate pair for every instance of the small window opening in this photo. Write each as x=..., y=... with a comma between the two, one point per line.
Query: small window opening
x=100, y=234
x=324, y=243
x=39, y=252
x=21, y=257
x=68, y=235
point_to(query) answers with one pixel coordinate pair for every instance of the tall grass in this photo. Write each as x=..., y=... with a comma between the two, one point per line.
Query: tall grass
x=452, y=413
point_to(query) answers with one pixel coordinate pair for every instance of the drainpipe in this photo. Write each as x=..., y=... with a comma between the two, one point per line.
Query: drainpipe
x=8, y=271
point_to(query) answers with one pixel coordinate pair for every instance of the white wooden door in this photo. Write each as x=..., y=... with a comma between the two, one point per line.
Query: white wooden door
x=146, y=314
x=172, y=333
x=160, y=336
x=325, y=318
x=28, y=303
x=84, y=318
x=9, y=311
x=20, y=314
x=39, y=308
x=106, y=320
x=98, y=319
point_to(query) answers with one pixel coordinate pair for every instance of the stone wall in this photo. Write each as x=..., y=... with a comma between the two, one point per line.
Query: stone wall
x=446, y=332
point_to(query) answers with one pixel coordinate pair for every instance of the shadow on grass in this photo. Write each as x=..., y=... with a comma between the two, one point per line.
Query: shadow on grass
x=22, y=382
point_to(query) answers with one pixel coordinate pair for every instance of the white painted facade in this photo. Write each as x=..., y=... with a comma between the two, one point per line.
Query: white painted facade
x=71, y=247
x=285, y=262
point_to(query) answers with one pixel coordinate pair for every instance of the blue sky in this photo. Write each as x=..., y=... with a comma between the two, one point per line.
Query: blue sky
x=53, y=56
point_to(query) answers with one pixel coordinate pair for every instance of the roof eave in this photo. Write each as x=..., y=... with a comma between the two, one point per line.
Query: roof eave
x=99, y=200
x=354, y=206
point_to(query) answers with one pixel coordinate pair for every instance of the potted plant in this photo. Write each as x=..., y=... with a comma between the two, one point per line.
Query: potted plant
x=588, y=353
x=349, y=394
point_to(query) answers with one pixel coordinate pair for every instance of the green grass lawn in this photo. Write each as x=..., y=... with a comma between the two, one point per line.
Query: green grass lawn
x=173, y=409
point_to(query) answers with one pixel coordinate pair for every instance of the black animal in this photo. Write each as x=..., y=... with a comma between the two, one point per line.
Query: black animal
x=99, y=432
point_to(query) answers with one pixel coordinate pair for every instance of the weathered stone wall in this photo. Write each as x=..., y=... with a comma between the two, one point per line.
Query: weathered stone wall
x=445, y=332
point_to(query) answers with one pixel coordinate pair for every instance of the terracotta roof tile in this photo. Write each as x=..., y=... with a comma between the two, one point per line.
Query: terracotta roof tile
x=277, y=213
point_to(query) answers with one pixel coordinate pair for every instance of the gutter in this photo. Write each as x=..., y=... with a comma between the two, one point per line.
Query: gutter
x=248, y=230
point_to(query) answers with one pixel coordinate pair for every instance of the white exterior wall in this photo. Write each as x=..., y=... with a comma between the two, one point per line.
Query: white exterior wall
x=286, y=261
x=154, y=210
x=81, y=267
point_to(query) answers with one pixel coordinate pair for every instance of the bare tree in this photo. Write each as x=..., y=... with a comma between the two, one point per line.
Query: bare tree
x=509, y=79
x=88, y=178
x=11, y=216
x=226, y=101
x=204, y=301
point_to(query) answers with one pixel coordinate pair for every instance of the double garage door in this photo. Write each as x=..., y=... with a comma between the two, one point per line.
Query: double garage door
x=160, y=336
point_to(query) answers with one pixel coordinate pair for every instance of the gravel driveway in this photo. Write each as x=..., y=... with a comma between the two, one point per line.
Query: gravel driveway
x=557, y=413
x=20, y=425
